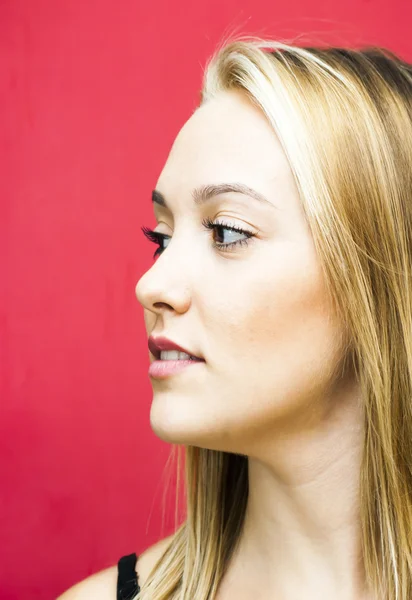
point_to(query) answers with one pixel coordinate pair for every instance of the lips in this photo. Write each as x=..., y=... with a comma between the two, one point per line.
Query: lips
x=157, y=344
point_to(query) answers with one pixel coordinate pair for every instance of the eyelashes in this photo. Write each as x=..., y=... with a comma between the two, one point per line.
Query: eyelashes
x=158, y=238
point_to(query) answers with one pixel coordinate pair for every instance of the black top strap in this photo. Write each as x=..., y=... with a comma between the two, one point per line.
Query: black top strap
x=127, y=578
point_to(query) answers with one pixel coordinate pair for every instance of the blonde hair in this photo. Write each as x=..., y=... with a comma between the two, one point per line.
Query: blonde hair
x=344, y=119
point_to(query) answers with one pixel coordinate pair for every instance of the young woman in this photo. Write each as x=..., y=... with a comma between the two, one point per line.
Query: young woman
x=284, y=271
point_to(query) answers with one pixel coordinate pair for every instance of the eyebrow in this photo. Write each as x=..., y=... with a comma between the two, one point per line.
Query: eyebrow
x=204, y=193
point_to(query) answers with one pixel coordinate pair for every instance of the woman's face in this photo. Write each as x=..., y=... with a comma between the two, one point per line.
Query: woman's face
x=258, y=313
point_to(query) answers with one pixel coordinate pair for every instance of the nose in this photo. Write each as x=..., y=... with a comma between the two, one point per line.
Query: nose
x=163, y=288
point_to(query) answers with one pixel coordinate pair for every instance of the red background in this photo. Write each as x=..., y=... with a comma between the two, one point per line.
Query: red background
x=92, y=96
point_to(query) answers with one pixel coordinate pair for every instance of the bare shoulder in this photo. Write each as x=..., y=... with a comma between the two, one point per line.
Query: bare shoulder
x=102, y=585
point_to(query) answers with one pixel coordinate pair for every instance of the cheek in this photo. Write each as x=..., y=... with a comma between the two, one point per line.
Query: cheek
x=279, y=342
x=276, y=305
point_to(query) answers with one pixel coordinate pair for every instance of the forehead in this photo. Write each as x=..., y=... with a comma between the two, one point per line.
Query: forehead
x=227, y=138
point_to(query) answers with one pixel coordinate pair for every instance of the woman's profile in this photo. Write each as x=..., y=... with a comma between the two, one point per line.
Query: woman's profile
x=283, y=271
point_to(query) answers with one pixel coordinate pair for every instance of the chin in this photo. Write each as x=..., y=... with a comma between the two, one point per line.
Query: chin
x=177, y=427
x=169, y=422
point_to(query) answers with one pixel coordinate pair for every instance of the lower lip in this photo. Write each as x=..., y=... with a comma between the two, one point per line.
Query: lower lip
x=160, y=369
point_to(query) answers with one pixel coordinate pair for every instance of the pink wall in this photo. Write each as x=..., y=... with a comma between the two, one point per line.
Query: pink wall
x=92, y=94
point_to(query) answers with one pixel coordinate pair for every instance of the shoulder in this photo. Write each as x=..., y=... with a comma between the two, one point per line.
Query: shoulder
x=102, y=585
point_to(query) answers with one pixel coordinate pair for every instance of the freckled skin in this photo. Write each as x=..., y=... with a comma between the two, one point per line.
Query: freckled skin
x=258, y=314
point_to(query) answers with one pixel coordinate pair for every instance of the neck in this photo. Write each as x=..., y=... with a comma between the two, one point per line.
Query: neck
x=301, y=535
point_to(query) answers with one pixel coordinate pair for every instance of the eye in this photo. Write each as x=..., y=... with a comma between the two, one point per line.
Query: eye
x=220, y=227
x=158, y=238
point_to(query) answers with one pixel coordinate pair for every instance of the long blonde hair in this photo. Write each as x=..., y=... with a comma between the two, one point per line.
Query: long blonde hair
x=344, y=119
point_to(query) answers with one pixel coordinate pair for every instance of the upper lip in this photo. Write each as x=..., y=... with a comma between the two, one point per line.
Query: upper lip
x=159, y=343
